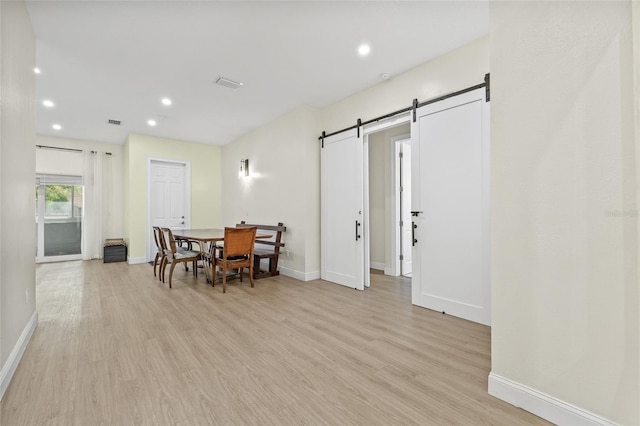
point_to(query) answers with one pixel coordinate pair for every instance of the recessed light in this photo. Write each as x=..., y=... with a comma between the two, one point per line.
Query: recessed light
x=37, y=70
x=48, y=103
x=166, y=101
x=151, y=122
x=56, y=127
x=364, y=49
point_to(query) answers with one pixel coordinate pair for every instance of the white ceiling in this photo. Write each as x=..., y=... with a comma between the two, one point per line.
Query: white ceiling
x=116, y=60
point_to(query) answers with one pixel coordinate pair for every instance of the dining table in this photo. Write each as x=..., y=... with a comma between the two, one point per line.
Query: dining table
x=205, y=237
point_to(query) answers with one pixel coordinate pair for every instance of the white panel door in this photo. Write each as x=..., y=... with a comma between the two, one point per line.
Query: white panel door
x=406, y=238
x=167, y=189
x=450, y=179
x=342, y=192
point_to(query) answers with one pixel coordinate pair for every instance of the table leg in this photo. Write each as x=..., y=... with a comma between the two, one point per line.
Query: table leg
x=204, y=251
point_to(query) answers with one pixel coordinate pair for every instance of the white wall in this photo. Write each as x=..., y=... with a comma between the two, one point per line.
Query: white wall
x=205, y=185
x=284, y=164
x=565, y=205
x=17, y=164
x=286, y=186
x=65, y=162
x=462, y=68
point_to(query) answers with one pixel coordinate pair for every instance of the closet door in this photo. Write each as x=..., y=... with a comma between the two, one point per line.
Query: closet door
x=450, y=179
x=342, y=206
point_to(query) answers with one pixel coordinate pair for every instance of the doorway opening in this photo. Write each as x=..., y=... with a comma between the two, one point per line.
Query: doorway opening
x=388, y=198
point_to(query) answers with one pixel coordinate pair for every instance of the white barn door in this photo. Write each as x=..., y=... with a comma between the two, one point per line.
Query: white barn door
x=450, y=190
x=342, y=208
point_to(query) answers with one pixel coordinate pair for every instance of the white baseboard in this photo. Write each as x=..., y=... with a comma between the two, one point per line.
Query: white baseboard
x=9, y=368
x=299, y=275
x=389, y=271
x=136, y=260
x=540, y=404
x=379, y=266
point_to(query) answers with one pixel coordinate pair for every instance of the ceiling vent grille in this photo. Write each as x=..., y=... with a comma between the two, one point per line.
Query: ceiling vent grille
x=221, y=81
x=114, y=122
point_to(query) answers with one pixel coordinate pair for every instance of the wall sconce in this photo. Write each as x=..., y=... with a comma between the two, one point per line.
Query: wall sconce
x=244, y=166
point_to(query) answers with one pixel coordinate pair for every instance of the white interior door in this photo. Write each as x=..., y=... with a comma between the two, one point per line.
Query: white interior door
x=167, y=198
x=450, y=179
x=342, y=205
x=406, y=239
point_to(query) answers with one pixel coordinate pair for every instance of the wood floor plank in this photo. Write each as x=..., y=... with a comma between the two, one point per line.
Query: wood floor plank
x=116, y=346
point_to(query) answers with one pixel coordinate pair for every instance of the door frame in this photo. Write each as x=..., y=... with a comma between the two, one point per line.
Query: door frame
x=150, y=250
x=40, y=206
x=395, y=270
x=367, y=130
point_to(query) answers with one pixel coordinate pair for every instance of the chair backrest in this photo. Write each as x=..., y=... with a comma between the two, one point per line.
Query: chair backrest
x=239, y=241
x=156, y=237
x=171, y=246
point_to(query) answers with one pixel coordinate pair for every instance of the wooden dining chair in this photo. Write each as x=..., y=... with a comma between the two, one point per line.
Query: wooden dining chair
x=237, y=253
x=175, y=256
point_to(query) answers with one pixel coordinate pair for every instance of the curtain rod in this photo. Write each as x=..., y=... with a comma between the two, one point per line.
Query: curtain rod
x=67, y=149
x=413, y=107
x=57, y=147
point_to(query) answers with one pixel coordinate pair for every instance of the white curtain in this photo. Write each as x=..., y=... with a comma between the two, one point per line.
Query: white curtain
x=107, y=197
x=92, y=232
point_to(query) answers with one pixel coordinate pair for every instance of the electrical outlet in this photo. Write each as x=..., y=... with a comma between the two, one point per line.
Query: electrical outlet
x=27, y=295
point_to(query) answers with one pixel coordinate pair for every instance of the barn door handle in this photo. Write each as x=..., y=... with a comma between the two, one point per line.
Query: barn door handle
x=413, y=233
x=357, y=233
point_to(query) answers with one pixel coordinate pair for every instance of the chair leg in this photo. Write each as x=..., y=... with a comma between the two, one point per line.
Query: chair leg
x=273, y=265
x=173, y=265
x=251, y=276
x=164, y=271
x=163, y=267
x=241, y=268
x=155, y=263
x=224, y=278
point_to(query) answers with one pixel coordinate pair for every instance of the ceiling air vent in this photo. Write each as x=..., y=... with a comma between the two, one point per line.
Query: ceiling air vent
x=228, y=83
x=114, y=122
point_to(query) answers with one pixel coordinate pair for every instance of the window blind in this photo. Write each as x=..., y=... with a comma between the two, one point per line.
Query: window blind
x=42, y=179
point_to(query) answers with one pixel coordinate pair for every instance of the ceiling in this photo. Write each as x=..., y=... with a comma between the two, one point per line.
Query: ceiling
x=102, y=60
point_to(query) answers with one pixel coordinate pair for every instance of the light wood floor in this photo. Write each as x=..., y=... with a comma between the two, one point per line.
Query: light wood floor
x=115, y=346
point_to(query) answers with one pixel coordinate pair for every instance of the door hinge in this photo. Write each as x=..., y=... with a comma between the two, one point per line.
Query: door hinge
x=401, y=257
x=401, y=224
x=401, y=189
x=400, y=155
